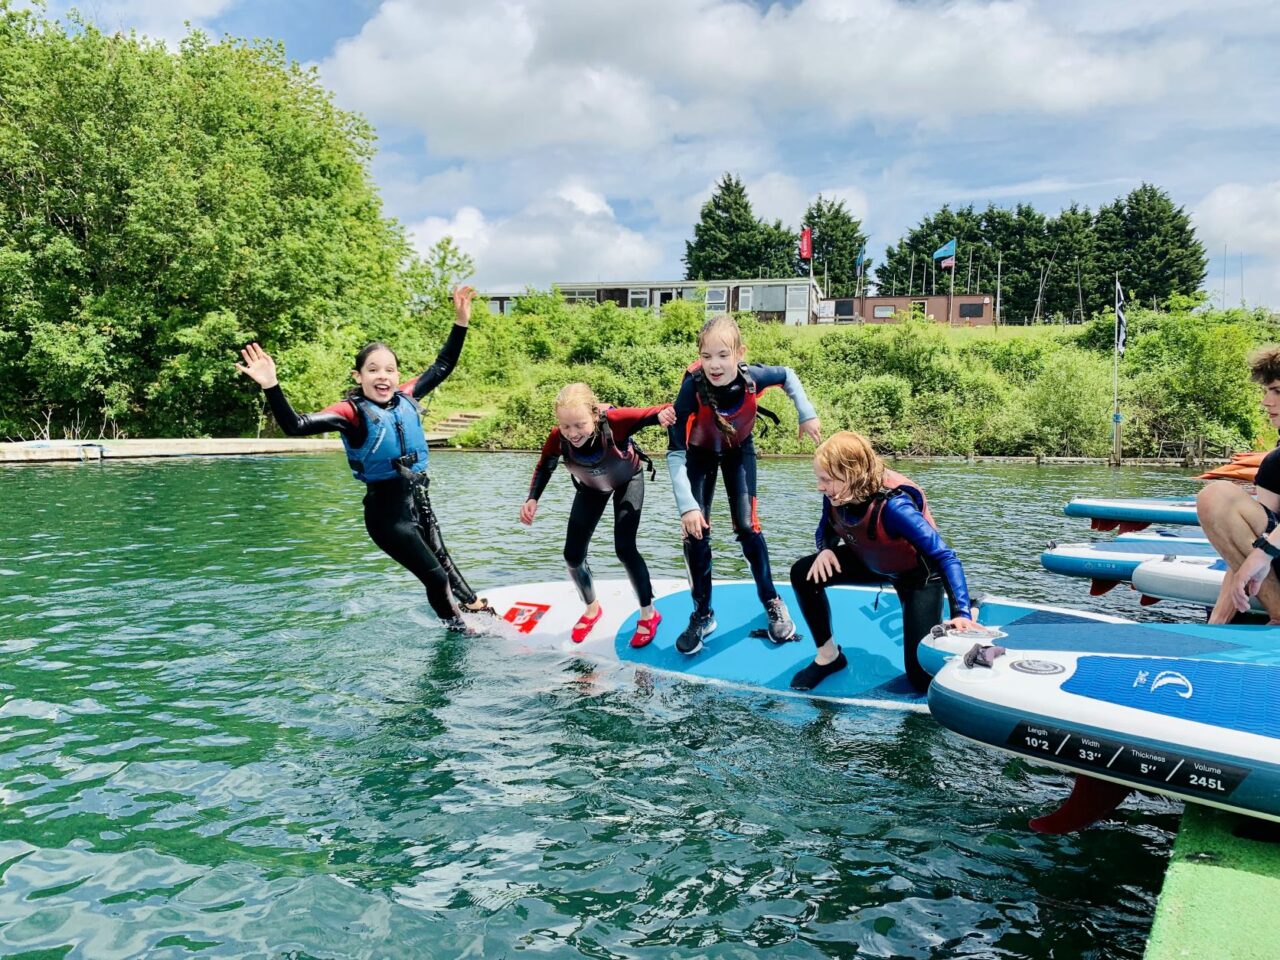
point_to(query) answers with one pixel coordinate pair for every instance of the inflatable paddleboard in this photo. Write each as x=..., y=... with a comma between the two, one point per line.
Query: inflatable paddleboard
x=867, y=620
x=1133, y=513
x=1110, y=562
x=1194, y=534
x=1200, y=730
x=1190, y=579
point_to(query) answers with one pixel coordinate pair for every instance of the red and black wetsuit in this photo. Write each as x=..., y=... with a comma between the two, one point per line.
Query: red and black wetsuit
x=607, y=465
x=397, y=512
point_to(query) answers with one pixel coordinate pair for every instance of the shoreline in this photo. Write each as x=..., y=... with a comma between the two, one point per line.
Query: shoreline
x=86, y=451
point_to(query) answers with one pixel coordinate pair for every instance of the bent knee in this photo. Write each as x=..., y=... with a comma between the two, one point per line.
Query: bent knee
x=800, y=570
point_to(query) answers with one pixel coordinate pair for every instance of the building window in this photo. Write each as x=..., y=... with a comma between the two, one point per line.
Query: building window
x=773, y=298
x=882, y=313
x=744, y=297
x=844, y=308
x=579, y=296
x=638, y=298
x=797, y=298
x=970, y=311
x=717, y=299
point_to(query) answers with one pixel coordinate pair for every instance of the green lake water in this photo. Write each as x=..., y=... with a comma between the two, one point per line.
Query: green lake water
x=230, y=727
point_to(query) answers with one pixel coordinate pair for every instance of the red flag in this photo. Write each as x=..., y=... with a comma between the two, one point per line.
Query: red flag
x=806, y=243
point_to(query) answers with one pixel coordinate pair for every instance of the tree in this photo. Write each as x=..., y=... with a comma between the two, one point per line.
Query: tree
x=158, y=209
x=837, y=241
x=1071, y=287
x=1151, y=245
x=729, y=242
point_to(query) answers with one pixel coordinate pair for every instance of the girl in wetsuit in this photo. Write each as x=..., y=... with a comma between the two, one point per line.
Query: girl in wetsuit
x=605, y=463
x=381, y=428
x=875, y=527
x=715, y=413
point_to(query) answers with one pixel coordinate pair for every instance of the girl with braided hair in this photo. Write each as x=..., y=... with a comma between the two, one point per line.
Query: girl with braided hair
x=716, y=411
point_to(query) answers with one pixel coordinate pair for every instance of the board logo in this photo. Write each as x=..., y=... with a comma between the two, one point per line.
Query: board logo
x=1175, y=681
x=525, y=616
x=1041, y=668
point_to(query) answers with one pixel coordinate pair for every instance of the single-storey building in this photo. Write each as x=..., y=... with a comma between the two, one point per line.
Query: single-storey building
x=962, y=310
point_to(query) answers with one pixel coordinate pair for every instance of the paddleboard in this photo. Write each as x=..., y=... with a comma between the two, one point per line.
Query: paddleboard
x=1190, y=579
x=1204, y=731
x=867, y=619
x=1133, y=513
x=1111, y=562
x=1195, y=534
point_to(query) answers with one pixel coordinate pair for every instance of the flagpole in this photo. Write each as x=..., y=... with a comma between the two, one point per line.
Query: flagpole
x=999, y=276
x=1115, y=381
x=951, y=295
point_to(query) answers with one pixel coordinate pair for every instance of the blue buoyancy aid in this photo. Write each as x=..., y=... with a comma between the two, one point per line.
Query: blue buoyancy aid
x=394, y=439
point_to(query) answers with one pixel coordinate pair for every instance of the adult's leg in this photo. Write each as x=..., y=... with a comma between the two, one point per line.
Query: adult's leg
x=921, y=612
x=739, y=469
x=701, y=468
x=392, y=524
x=628, y=501
x=430, y=528
x=584, y=515
x=1232, y=520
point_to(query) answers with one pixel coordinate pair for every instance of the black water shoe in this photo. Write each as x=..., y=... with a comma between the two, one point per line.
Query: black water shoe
x=815, y=673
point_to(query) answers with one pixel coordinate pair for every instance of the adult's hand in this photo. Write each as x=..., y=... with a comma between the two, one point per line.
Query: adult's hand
x=824, y=565
x=1246, y=581
x=694, y=523
x=258, y=366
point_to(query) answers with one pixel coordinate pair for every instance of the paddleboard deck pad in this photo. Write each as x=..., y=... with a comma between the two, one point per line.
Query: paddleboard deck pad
x=1112, y=562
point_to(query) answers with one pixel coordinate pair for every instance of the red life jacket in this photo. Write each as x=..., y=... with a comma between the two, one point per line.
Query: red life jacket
x=882, y=553
x=611, y=469
x=701, y=429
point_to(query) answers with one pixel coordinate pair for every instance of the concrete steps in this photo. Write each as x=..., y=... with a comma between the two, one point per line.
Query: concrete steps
x=452, y=425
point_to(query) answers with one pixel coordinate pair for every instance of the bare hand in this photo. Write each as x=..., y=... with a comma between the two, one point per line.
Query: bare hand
x=694, y=523
x=961, y=624
x=666, y=416
x=462, y=297
x=1246, y=581
x=824, y=565
x=528, y=511
x=258, y=366
x=811, y=429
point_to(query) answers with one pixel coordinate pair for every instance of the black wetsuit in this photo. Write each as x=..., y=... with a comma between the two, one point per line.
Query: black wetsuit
x=397, y=512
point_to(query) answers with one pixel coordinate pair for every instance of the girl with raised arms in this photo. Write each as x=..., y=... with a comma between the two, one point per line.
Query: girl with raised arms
x=716, y=411
x=381, y=427
x=605, y=463
x=875, y=527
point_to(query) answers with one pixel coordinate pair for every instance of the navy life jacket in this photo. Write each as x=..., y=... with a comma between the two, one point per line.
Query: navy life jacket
x=394, y=441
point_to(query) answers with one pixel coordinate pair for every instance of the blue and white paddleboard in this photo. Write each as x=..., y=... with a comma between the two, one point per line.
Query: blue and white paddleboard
x=1133, y=513
x=1109, y=562
x=1195, y=534
x=867, y=622
x=1201, y=730
x=1189, y=579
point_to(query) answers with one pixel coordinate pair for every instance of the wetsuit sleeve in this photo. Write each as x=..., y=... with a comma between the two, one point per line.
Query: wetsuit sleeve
x=624, y=421
x=902, y=518
x=341, y=417
x=785, y=378
x=824, y=538
x=546, y=466
x=445, y=361
x=686, y=406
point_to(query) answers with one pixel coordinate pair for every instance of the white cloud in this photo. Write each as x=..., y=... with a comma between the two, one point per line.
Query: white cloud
x=499, y=76
x=165, y=20
x=568, y=235
x=1245, y=219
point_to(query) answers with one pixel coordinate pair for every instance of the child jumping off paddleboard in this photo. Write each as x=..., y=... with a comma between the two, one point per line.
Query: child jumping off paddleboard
x=381, y=428
x=875, y=527
x=605, y=463
x=716, y=411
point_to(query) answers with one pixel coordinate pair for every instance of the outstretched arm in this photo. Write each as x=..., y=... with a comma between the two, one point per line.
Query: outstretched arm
x=786, y=378
x=260, y=368
x=902, y=518
x=447, y=359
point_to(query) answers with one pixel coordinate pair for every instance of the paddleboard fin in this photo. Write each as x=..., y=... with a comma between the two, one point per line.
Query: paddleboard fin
x=1098, y=587
x=1090, y=800
x=1148, y=601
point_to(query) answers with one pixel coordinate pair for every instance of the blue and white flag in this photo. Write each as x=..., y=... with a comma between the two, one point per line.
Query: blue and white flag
x=948, y=249
x=1120, y=332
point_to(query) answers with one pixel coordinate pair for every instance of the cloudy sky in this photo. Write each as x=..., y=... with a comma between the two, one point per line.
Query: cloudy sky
x=576, y=139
